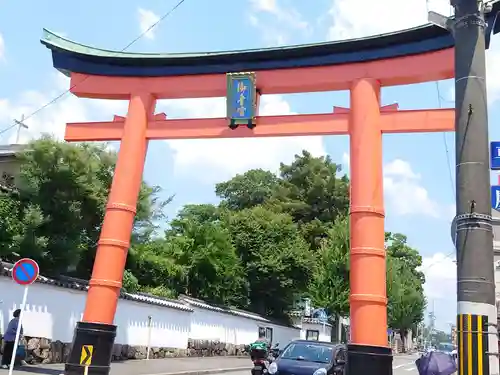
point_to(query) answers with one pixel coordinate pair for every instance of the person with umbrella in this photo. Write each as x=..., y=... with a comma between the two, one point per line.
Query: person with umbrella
x=436, y=363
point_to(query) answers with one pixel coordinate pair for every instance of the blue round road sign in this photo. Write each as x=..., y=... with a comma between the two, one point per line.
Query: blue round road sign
x=25, y=271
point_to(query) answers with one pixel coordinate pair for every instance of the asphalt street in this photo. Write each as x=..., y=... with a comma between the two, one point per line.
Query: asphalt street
x=180, y=366
x=402, y=365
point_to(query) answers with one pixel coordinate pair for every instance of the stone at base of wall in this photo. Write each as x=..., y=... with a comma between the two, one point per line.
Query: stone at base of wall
x=41, y=350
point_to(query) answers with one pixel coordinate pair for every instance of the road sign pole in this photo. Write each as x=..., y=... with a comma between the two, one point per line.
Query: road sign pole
x=25, y=272
x=18, y=332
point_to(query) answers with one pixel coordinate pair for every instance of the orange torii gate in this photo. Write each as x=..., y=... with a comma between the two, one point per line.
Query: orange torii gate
x=362, y=67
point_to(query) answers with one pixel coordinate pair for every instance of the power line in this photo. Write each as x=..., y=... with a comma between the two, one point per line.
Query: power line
x=438, y=261
x=7, y=128
x=447, y=151
x=55, y=99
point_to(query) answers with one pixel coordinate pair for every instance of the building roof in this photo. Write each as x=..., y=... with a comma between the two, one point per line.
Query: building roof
x=69, y=56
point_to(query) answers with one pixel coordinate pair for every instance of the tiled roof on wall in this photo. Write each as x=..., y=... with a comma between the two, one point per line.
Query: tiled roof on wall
x=203, y=305
x=184, y=303
x=82, y=285
x=232, y=311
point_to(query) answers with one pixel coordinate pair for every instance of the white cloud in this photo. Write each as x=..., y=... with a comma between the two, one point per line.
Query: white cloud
x=285, y=22
x=147, y=18
x=404, y=192
x=50, y=120
x=440, y=276
x=400, y=168
x=346, y=163
x=441, y=287
x=216, y=159
x=265, y=5
x=53, y=118
x=407, y=195
x=392, y=15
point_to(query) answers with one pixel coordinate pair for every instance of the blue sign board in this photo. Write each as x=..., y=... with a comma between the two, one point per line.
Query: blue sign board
x=320, y=314
x=495, y=155
x=389, y=332
x=495, y=197
x=241, y=99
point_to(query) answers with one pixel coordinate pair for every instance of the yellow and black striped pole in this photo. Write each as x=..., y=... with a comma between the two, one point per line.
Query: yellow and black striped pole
x=472, y=332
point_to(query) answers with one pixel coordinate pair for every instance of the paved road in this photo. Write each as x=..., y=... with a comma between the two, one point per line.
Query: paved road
x=402, y=365
x=191, y=366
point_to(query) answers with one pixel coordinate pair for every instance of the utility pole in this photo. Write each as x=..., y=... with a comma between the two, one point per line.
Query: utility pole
x=476, y=311
x=20, y=124
x=432, y=323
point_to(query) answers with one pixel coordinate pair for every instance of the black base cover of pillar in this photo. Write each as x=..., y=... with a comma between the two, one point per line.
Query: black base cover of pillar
x=368, y=360
x=102, y=338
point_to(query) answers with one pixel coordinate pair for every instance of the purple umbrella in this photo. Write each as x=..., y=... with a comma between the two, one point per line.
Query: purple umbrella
x=436, y=363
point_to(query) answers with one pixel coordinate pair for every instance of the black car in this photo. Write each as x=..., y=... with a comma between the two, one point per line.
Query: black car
x=304, y=357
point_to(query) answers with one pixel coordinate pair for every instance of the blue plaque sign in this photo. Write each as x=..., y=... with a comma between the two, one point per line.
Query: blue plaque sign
x=495, y=155
x=495, y=197
x=241, y=99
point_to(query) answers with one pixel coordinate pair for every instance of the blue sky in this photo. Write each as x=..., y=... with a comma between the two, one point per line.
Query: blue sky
x=418, y=187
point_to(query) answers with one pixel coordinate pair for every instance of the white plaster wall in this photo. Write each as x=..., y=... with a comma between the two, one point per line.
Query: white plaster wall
x=283, y=335
x=325, y=331
x=206, y=324
x=211, y=325
x=169, y=327
x=52, y=312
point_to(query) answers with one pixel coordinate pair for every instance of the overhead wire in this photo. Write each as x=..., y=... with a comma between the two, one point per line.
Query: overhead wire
x=58, y=97
x=445, y=143
x=441, y=100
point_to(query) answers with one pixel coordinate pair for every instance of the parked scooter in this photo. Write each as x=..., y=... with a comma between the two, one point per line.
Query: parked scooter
x=261, y=365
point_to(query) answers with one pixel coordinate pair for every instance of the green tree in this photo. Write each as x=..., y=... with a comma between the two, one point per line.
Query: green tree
x=130, y=283
x=211, y=267
x=314, y=190
x=11, y=224
x=18, y=224
x=63, y=190
x=195, y=257
x=154, y=269
x=329, y=287
x=308, y=189
x=277, y=260
x=397, y=247
x=253, y=188
x=406, y=300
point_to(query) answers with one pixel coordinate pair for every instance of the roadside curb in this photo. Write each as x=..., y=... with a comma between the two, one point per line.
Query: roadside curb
x=203, y=372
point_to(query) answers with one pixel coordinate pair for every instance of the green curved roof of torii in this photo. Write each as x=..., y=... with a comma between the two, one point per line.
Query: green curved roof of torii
x=50, y=38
